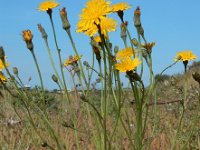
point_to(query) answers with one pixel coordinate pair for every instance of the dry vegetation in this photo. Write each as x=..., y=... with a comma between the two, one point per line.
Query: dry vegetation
x=17, y=133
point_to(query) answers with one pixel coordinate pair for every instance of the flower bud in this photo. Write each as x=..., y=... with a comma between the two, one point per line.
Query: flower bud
x=27, y=37
x=65, y=22
x=96, y=49
x=116, y=49
x=144, y=54
x=43, y=32
x=137, y=15
x=135, y=42
x=123, y=33
x=54, y=78
x=86, y=64
x=15, y=71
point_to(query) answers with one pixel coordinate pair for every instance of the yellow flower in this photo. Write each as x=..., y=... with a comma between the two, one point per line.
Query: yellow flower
x=71, y=60
x=185, y=56
x=27, y=35
x=48, y=4
x=97, y=39
x=127, y=52
x=94, y=14
x=95, y=10
x=127, y=64
x=108, y=25
x=89, y=28
x=120, y=7
x=2, y=66
x=2, y=78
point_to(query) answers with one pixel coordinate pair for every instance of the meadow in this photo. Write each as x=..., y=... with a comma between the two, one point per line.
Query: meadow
x=101, y=113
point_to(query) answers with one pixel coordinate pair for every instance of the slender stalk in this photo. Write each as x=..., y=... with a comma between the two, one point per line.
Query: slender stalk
x=77, y=139
x=38, y=70
x=75, y=50
x=59, y=55
x=139, y=131
x=52, y=62
x=105, y=104
x=178, y=128
x=139, y=47
x=183, y=110
x=193, y=126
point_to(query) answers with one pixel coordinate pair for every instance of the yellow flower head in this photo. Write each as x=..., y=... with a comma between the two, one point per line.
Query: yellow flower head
x=95, y=10
x=94, y=14
x=89, y=28
x=27, y=35
x=2, y=78
x=2, y=65
x=97, y=39
x=120, y=7
x=108, y=25
x=71, y=60
x=185, y=56
x=127, y=52
x=48, y=4
x=127, y=64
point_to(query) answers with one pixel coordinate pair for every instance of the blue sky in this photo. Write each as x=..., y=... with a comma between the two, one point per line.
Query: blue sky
x=173, y=25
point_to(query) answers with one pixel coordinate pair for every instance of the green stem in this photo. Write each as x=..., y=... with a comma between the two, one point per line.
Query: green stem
x=75, y=50
x=38, y=70
x=178, y=129
x=139, y=47
x=60, y=59
x=52, y=62
x=139, y=131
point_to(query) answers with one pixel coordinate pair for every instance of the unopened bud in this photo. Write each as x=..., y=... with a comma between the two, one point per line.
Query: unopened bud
x=27, y=37
x=54, y=78
x=96, y=49
x=15, y=71
x=65, y=22
x=137, y=14
x=86, y=64
x=123, y=29
x=144, y=53
x=135, y=42
x=12, y=78
x=116, y=49
x=43, y=32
